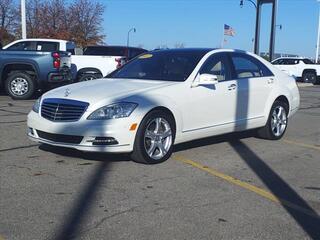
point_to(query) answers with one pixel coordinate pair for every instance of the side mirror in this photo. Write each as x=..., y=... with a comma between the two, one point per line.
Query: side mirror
x=205, y=79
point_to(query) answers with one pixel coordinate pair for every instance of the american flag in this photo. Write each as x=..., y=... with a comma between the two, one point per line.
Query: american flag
x=229, y=31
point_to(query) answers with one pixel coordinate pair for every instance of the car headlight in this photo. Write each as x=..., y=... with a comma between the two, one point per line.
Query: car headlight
x=117, y=110
x=36, y=105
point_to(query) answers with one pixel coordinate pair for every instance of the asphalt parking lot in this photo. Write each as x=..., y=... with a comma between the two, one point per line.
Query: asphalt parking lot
x=228, y=187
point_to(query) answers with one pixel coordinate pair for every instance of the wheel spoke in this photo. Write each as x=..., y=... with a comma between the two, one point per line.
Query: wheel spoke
x=150, y=134
x=280, y=112
x=278, y=127
x=151, y=149
x=162, y=150
x=158, y=123
x=166, y=134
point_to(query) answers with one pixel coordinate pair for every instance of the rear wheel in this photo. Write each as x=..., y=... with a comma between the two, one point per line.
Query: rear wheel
x=155, y=138
x=89, y=76
x=20, y=85
x=277, y=122
x=309, y=77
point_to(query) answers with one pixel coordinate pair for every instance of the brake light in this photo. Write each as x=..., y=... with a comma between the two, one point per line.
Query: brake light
x=56, y=60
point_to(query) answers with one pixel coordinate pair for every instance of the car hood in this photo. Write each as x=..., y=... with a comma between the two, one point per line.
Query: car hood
x=105, y=90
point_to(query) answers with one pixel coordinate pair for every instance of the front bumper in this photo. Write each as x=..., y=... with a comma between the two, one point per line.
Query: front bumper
x=89, y=130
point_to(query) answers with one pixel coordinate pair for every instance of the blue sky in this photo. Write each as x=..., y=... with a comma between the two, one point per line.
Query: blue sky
x=199, y=23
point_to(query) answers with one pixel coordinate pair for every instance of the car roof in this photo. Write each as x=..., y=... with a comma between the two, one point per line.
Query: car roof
x=188, y=50
x=297, y=58
x=43, y=39
x=108, y=46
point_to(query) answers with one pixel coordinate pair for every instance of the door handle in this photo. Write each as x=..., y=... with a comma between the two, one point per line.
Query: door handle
x=232, y=87
x=270, y=81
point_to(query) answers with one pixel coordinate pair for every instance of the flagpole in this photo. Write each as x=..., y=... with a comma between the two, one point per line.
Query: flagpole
x=222, y=42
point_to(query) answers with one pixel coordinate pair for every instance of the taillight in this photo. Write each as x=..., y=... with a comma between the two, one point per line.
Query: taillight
x=56, y=60
x=118, y=60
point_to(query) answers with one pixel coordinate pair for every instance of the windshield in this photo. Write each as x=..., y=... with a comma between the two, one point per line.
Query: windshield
x=167, y=65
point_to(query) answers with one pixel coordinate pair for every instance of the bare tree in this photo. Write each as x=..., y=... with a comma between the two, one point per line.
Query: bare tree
x=80, y=20
x=86, y=20
x=55, y=20
x=34, y=13
x=8, y=20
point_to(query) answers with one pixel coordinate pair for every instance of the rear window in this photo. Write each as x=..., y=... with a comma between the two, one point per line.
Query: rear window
x=133, y=52
x=71, y=48
x=307, y=61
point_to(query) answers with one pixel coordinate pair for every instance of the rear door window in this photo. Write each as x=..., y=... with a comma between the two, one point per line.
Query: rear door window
x=290, y=61
x=246, y=66
x=47, y=46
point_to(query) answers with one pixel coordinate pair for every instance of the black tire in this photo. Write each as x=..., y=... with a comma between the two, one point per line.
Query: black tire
x=89, y=76
x=139, y=153
x=267, y=132
x=309, y=77
x=24, y=79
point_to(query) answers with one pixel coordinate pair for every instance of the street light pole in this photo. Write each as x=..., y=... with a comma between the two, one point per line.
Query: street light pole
x=23, y=19
x=255, y=5
x=132, y=29
x=318, y=38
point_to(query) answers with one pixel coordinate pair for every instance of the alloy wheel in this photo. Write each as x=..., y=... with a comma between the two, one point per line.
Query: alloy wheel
x=278, y=121
x=157, y=138
x=19, y=86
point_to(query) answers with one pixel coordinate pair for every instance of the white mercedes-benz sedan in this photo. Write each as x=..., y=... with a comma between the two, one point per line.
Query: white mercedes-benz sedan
x=166, y=97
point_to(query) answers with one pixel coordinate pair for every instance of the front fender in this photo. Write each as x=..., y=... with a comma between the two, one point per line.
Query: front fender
x=148, y=103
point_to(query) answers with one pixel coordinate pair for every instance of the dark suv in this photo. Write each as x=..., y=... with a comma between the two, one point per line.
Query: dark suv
x=127, y=53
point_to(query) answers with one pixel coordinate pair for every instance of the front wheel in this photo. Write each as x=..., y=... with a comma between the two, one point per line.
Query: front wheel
x=277, y=122
x=155, y=138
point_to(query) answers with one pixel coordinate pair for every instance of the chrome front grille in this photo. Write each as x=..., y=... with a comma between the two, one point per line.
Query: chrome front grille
x=62, y=110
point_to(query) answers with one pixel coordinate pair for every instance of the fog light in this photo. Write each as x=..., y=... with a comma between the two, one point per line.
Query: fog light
x=30, y=131
x=104, y=141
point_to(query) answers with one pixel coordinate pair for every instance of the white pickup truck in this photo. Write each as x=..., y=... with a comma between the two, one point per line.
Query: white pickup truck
x=96, y=61
x=301, y=68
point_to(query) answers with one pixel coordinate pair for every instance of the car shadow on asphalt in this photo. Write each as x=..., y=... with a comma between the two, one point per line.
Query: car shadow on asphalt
x=93, y=156
x=71, y=224
x=310, y=222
